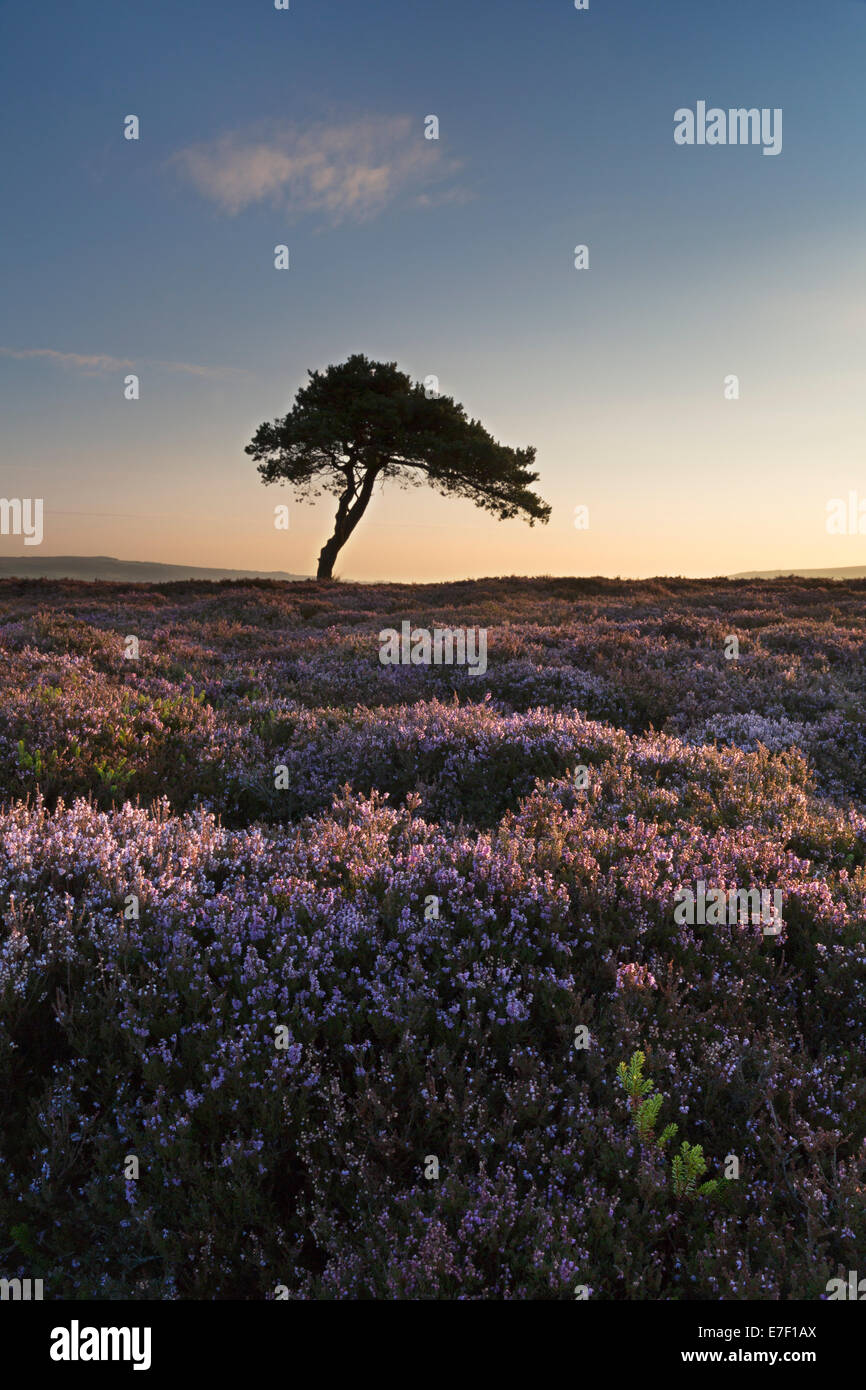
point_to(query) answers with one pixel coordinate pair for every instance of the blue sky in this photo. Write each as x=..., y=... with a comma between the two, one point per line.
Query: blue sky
x=453, y=257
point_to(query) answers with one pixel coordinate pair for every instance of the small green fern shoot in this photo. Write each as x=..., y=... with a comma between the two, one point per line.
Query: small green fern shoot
x=688, y=1166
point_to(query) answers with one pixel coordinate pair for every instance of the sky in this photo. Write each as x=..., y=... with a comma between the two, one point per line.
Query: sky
x=453, y=257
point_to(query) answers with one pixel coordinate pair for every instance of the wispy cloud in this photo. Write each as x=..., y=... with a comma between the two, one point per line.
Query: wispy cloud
x=93, y=362
x=350, y=170
x=194, y=369
x=97, y=362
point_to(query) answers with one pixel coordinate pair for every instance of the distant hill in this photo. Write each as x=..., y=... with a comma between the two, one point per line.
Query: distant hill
x=848, y=572
x=123, y=571
x=112, y=570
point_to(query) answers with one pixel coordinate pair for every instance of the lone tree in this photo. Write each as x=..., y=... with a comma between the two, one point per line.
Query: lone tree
x=360, y=421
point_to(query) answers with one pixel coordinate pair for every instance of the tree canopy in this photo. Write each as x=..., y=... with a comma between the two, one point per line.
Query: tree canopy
x=360, y=422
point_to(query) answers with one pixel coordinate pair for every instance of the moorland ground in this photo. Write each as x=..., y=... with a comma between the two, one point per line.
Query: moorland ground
x=435, y=939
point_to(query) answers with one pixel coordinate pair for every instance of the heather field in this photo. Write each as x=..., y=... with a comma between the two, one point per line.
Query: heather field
x=353, y=1029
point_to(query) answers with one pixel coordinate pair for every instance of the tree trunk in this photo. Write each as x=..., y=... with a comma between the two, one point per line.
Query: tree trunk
x=349, y=513
x=327, y=556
